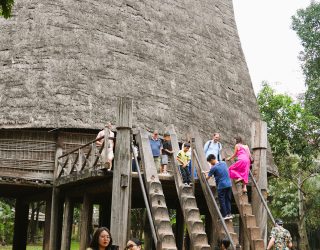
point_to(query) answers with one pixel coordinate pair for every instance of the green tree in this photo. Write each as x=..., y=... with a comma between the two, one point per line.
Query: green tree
x=6, y=7
x=291, y=132
x=306, y=23
x=6, y=222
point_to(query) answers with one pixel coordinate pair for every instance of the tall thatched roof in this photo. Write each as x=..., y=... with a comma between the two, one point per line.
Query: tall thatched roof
x=63, y=63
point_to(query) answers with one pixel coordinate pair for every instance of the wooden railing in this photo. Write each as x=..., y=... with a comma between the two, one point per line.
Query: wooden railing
x=88, y=156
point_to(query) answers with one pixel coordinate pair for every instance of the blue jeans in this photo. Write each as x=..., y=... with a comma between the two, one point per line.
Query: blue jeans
x=224, y=196
x=185, y=174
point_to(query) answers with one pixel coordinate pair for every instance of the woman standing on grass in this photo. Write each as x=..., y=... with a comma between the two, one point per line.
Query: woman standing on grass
x=240, y=169
x=101, y=240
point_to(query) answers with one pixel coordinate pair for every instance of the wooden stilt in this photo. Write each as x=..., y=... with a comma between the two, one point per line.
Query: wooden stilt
x=67, y=224
x=46, y=233
x=55, y=220
x=121, y=188
x=179, y=228
x=259, y=170
x=56, y=207
x=86, y=222
x=20, y=225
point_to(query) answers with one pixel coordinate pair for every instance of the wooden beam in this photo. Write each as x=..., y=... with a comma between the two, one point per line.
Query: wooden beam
x=259, y=170
x=86, y=221
x=121, y=187
x=20, y=225
x=67, y=224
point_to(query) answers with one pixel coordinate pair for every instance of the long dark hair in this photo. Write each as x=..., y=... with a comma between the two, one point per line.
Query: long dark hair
x=95, y=239
x=238, y=139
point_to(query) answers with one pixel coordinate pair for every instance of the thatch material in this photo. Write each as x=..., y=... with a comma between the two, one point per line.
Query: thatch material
x=63, y=63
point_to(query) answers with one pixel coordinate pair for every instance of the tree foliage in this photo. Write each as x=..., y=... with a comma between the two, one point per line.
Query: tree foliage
x=306, y=23
x=291, y=132
x=6, y=221
x=6, y=7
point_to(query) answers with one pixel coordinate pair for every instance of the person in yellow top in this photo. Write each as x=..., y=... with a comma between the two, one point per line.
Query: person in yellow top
x=183, y=159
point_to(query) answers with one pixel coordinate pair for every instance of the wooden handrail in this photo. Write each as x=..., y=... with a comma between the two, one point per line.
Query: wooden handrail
x=262, y=198
x=83, y=146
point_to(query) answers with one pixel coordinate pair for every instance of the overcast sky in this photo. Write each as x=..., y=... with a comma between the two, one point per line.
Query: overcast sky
x=270, y=46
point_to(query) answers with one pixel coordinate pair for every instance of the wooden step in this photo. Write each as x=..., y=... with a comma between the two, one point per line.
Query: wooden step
x=188, y=201
x=246, y=208
x=255, y=233
x=192, y=213
x=250, y=220
x=259, y=244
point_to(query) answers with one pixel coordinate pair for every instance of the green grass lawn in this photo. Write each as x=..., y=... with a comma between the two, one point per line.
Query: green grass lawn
x=74, y=246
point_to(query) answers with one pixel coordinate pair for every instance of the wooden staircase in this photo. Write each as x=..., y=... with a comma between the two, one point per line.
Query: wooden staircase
x=201, y=164
x=247, y=217
x=188, y=203
x=156, y=197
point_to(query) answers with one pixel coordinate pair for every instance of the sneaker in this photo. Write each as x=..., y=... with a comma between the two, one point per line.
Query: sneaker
x=186, y=184
x=228, y=217
x=190, y=184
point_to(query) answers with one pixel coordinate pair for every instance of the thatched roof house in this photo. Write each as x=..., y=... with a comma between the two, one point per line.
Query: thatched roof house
x=63, y=63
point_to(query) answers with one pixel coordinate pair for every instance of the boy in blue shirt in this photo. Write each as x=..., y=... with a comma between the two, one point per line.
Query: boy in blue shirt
x=221, y=174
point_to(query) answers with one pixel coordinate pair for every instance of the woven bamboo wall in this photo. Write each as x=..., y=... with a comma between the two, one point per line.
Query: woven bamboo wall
x=29, y=155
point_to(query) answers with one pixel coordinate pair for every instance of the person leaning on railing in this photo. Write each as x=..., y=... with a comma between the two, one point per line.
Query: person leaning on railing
x=107, y=161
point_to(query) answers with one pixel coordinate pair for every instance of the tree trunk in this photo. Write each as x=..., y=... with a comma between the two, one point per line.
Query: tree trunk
x=303, y=242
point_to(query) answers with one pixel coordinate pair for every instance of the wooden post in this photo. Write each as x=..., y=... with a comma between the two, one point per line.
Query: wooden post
x=259, y=170
x=20, y=225
x=86, y=221
x=56, y=206
x=121, y=186
x=47, y=222
x=179, y=228
x=67, y=224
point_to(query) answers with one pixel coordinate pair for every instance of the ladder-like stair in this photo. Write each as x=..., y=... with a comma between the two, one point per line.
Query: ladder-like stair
x=247, y=217
x=188, y=203
x=156, y=197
